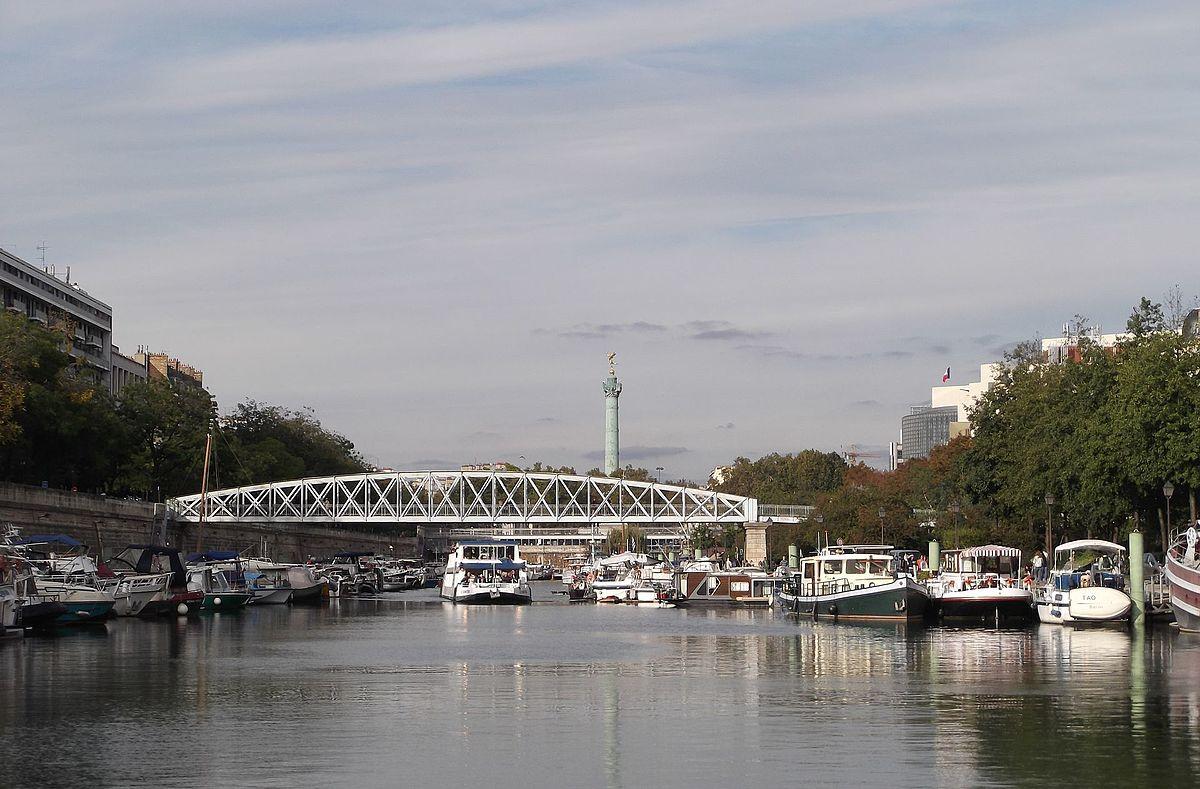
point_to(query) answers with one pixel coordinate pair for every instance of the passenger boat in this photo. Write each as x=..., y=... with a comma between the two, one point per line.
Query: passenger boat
x=489, y=572
x=159, y=560
x=1183, y=574
x=982, y=582
x=1086, y=585
x=705, y=582
x=854, y=582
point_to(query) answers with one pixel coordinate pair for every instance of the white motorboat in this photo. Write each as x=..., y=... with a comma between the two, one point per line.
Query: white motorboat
x=982, y=582
x=1086, y=586
x=488, y=572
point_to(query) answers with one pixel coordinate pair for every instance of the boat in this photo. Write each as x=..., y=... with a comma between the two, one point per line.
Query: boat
x=617, y=576
x=352, y=573
x=220, y=592
x=488, y=572
x=1086, y=585
x=983, y=583
x=144, y=562
x=854, y=582
x=706, y=582
x=64, y=573
x=307, y=587
x=1182, y=570
x=270, y=583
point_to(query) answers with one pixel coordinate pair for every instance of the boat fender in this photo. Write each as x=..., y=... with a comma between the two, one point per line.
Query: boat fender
x=181, y=609
x=833, y=610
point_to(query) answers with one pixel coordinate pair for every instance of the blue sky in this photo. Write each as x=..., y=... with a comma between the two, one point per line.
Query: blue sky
x=431, y=222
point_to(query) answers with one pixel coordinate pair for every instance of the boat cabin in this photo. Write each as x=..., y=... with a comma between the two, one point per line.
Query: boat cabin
x=1089, y=563
x=845, y=567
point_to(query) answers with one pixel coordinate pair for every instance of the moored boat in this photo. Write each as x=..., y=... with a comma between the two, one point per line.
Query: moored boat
x=1086, y=585
x=981, y=583
x=854, y=582
x=1182, y=569
x=705, y=582
x=486, y=572
x=145, y=562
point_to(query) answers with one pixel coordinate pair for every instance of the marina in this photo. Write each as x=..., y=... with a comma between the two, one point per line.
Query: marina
x=735, y=695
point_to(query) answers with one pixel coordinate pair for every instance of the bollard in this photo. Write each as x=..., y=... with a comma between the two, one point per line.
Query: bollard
x=671, y=556
x=699, y=554
x=1137, y=587
x=935, y=556
x=793, y=557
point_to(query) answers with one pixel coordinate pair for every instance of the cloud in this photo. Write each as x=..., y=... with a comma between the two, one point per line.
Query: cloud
x=695, y=330
x=866, y=404
x=728, y=334
x=726, y=426
x=985, y=339
x=437, y=464
x=596, y=331
x=485, y=436
x=547, y=420
x=939, y=349
x=640, y=453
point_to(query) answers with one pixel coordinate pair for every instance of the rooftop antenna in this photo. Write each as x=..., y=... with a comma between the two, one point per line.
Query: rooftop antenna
x=42, y=248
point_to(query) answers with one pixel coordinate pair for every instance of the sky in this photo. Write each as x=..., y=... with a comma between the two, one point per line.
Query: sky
x=430, y=222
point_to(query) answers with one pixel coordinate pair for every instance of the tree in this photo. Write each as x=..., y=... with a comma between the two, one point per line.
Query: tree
x=166, y=428
x=785, y=479
x=626, y=538
x=267, y=443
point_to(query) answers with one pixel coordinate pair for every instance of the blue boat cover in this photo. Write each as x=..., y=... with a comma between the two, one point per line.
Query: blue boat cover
x=34, y=539
x=503, y=564
x=213, y=556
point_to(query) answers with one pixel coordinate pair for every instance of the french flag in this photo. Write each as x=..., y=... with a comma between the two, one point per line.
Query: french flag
x=946, y=375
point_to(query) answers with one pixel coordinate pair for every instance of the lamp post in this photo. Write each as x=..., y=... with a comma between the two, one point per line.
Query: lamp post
x=658, y=476
x=882, y=513
x=1049, y=517
x=1168, y=491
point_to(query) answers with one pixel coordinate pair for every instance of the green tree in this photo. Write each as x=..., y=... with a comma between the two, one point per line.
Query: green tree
x=267, y=443
x=785, y=479
x=165, y=427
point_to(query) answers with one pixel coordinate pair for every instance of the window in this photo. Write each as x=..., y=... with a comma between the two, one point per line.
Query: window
x=739, y=586
x=831, y=567
x=856, y=566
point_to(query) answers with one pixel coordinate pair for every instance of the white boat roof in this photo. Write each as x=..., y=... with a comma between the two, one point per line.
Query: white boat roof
x=1089, y=545
x=626, y=558
x=989, y=551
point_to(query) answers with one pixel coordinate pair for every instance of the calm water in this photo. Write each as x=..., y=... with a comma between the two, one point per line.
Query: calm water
x=409, y=691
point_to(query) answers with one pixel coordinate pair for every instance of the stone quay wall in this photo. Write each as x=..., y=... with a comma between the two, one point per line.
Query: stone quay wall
x=117, y=522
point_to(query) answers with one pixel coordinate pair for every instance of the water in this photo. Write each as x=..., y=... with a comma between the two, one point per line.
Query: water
x=408, y=691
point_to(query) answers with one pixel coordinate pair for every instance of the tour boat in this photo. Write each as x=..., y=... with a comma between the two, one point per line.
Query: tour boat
x=1086, y=586
x=705, y=582
x=490, y=572
x=1183, y=574
x=854, y=582
x=982, y=582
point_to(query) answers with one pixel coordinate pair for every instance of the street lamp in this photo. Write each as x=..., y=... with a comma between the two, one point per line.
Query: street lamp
x=658, y=476
x=882, y=513
x=1168, y=491
x=955, y=508
x=1049, y=518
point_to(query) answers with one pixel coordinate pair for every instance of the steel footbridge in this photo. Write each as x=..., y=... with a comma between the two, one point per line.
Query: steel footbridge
x=466, y=497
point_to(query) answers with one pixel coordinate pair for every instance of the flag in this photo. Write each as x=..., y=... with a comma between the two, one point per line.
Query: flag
x=946, y=375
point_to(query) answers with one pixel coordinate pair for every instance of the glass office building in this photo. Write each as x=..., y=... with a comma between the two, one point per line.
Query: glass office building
x=925, y=428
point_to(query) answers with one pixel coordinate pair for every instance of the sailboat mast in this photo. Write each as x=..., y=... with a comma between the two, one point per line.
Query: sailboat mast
x=204, y=491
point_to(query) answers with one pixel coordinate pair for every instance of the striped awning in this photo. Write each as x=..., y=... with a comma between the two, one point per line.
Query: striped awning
x=991, y=551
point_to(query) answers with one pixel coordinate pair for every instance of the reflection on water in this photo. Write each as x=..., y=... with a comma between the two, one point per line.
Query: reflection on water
x=409, y=691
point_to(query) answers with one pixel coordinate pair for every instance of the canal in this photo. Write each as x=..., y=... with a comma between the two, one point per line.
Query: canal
x=407, y=691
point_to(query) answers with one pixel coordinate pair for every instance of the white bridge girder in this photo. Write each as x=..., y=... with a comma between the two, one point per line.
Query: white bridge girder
x=467, y=497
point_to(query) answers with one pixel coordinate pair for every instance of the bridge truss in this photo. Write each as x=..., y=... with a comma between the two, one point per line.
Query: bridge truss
x=467, y=497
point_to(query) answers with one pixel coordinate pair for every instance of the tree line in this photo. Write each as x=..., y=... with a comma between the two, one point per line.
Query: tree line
x=1099, y=437
x=58, y=427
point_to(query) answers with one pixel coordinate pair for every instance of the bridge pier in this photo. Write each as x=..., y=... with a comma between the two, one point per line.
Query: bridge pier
x=756, y=543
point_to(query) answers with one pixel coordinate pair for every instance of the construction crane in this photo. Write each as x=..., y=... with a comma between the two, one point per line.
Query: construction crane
x=853, y=452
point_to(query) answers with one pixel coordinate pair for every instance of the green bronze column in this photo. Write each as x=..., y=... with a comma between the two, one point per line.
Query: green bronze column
x=612, y=439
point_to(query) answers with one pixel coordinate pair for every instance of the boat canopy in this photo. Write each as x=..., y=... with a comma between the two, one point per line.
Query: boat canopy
x=37, y=539
x=499, y=564
x=991, y=551
x=213, y=556
x=1090, y=545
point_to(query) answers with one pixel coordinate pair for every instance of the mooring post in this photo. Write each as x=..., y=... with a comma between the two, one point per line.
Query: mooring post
x=793, y=557
x=1137, y=587
x=935, y=556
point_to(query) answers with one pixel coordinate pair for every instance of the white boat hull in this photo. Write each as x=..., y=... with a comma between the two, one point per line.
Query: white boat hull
x=1086, y=605
x=488, y=594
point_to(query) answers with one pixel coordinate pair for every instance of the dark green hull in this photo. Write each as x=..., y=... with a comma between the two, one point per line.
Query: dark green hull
x=903, y=600
x=229, y=601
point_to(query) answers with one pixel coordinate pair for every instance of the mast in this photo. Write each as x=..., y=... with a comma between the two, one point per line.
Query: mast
x=204, y=490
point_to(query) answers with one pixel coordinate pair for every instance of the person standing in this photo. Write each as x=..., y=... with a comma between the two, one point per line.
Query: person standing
x=1038, y=562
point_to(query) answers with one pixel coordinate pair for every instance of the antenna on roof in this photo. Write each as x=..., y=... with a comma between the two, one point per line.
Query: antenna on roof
x=42, y=248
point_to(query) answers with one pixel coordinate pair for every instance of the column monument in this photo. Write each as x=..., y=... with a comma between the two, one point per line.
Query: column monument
x=612, y=432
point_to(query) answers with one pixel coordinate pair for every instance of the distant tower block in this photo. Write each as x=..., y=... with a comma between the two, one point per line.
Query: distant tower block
x=612, y=431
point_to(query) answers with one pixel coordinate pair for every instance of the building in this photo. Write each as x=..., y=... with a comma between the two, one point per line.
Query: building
x=926, y=427
x=84, y=321
x=161, y=367
x=965, y=396
x=1058, y=350
x=126, y=370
